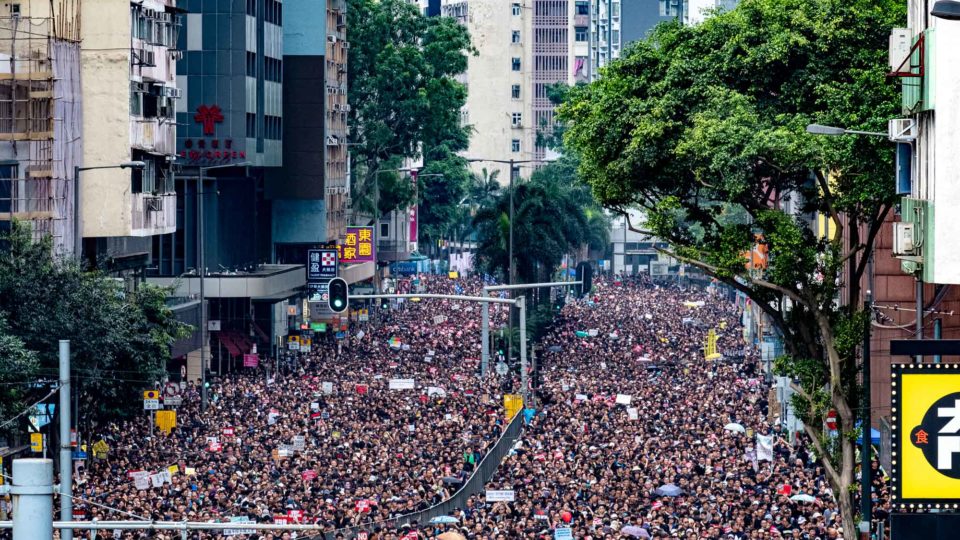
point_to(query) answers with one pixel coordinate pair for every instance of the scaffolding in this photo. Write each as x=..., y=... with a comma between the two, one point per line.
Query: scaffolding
x=40, y=121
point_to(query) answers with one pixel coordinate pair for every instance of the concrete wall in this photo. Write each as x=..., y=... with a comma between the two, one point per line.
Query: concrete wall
x=299, y=221
x=105, y=75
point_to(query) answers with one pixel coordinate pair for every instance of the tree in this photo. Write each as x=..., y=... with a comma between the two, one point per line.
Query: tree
x=405, y=101
x=550, y=220
x=119, y=340
x=703, y=127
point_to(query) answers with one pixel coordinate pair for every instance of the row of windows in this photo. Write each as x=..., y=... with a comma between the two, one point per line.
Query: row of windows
x=154, y=27
x=272, y=67
x=550, y=8
x=550, y=35
x=550, y=63
x=272, y=10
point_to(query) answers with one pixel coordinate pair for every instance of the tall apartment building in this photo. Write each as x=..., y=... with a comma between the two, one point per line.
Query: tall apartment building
x=128, y=73
x=40, y=118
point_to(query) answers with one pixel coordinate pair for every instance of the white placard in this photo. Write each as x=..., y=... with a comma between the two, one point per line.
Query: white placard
x=299, y=443
x=236, y=532
x=156, y=480
x=327, y=387
x=151, y=404
x=593, y=332
x=142, y=482
x=580, y=397
x=498, y=495
x=315, y=406
x=402, y=384
x=624, y=399
x=436, y=391
x=633, y=413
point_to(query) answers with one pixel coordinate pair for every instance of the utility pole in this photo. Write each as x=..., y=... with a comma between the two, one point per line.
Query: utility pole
x=510, y=269
x=866, y=504
x=32, y=489
x=201, y=271
x=66, y=458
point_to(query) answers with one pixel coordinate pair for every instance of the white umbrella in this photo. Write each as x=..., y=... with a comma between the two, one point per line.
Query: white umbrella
x=733, y=426
x=444, y=520
x=803, y=497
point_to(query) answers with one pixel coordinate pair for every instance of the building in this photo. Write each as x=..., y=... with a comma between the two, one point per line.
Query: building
x=130, y=91
x=40, y=118
x=696, y=11
x=263, y=127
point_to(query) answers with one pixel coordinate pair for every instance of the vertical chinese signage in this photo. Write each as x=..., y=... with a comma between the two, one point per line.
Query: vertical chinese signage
x=926, y=434
x=357, y=246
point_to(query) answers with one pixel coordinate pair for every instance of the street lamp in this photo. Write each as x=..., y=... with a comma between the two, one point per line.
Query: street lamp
x=818, y=129
x=202, y=272
x=77, y=238
x=948, y=10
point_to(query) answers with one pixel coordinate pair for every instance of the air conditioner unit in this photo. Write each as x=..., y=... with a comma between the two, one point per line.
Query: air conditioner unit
x=153, y=204
x=336, y=106
x=899, y=48
x=902, y=130
x=346, y=44
x=346, y=108
x=172, y=92
x=904, y=240
x=331, y=38
x=138, y=87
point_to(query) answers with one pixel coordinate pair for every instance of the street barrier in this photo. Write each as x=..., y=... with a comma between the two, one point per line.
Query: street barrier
x=474, y=485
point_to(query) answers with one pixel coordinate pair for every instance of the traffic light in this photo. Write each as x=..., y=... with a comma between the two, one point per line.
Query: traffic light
x=584, y=274
x=339, y=297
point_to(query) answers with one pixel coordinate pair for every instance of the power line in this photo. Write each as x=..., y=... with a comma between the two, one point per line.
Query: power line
x=30, y=408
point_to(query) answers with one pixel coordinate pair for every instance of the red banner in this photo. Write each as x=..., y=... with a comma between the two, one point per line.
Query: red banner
x=251, y=360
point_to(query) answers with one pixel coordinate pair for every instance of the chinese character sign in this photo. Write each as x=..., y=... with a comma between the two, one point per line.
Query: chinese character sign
x=357, y=246
x=926, y=433
x=321, y=264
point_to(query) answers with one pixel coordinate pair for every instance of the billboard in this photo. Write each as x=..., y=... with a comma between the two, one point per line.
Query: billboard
x=321, y=264
x=357, y=246
x=926, y=434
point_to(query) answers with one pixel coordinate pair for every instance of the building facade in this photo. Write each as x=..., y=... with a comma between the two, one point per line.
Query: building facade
x=129, y=84
x=40, y=119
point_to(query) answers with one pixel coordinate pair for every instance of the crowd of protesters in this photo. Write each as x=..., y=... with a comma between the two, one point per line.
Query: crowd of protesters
x=634, y=433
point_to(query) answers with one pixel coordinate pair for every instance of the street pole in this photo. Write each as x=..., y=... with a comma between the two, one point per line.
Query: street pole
x=66, y=461
x=32, y=491
x=201, y=271
x=77, y=240
x=866, y=503
x=485, y=337
x=510, y=269
x=525, y=392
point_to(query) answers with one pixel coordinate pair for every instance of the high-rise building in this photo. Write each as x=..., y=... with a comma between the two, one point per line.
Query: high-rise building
x=40, y=118
x=129, y=82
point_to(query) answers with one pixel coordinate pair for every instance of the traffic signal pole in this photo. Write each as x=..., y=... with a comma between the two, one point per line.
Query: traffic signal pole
x=485, y=321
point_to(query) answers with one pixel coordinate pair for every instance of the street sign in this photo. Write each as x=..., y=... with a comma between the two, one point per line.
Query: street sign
x=318, y=292
x=173, y=401
x=151, y=404
x=926, y=434
x=213, y=326
x=36, y=443
x=79, y=456
x=321, y=264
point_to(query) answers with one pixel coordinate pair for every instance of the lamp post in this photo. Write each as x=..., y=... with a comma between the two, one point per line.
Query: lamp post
x=202, y=272
x=866, y=425
x=77, y=230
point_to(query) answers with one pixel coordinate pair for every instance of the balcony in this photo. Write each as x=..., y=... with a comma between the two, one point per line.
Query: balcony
x=153, y=213
x=152, y=135
x=581, y=20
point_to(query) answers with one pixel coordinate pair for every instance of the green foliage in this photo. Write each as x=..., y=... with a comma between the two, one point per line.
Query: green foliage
x=553, y=215
x=704, y=127
x=119, y=340
x=404, y=99
x=17, y=365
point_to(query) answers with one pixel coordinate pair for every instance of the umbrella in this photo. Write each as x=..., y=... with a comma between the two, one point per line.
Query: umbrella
x=451, y=536
x=733, y=426
x=554, y=348
x=451, y=480
x=803, y=497
x=445, y=520
x=634, y=531
x=668, y=490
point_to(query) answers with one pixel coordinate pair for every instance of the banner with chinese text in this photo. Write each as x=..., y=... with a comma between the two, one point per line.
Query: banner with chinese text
x=357, y=246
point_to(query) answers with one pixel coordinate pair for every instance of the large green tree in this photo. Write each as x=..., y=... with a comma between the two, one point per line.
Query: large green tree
x=405, y=101
x=119, y=340
x=554, y=215
x=704, y=127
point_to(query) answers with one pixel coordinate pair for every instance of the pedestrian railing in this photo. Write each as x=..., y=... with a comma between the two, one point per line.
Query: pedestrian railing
x=475, y=484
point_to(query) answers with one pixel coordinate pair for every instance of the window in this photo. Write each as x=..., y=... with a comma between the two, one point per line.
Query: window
x=251, y=125
x=581, y=33
x=516, y=9
x=272, y=127
x=515, y=91
x=144, y=180
x=515, y=37
x=384, y=230
x=251, y=64
x=516, y=64
x=616, y=9
x=615, y=38
x=583, y=8
x=273, y=12
x=515, y=145
x=272, y=69
x=252, y=7
x=516, y=119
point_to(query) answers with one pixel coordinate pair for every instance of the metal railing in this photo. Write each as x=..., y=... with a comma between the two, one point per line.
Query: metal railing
x=475, y=484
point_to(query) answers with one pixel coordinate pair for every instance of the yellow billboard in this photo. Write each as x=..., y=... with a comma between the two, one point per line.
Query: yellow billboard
x=926, y=434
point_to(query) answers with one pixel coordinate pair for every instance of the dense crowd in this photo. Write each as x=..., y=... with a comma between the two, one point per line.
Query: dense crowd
x=365, y=452
x=634, y=434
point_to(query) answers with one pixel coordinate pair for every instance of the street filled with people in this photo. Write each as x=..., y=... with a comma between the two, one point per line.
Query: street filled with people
x=631, y=433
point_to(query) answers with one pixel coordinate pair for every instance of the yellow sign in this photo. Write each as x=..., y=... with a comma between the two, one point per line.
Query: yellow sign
x=512, y=403
x=190, y=471
x=151, y=394
x=173, y=469
x=454, y=275
x=710, y=350
x=926, y=434
x=100, y=449
x=166, y=420
x=1, y=470
x=36, y=442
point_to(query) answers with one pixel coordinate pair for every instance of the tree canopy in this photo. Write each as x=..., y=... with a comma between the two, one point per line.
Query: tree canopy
x=119, y=340
x=405, y=100
x=704, y=127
